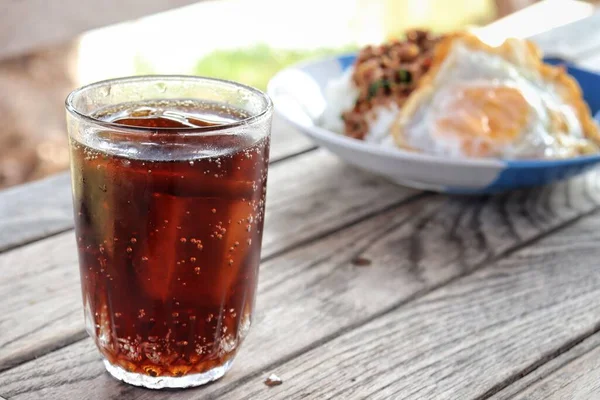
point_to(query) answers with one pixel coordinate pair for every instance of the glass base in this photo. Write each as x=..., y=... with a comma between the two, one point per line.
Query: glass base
x=171, y=382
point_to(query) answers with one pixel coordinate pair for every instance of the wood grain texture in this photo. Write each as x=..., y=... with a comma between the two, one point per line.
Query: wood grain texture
x=35, y=210
x=39, y=209
x=578, y=380
x=316, y=193
x=468, y=338
x=287, y=141
x=41, y=306
x=29, y=24
x=552, y=372
x=48, y=275
x=313, y=294
x=43, y=208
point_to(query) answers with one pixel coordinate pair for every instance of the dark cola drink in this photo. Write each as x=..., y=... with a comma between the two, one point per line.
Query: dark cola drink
x=168, y=229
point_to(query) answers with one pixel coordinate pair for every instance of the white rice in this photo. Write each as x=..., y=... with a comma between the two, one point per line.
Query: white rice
x=340, y=95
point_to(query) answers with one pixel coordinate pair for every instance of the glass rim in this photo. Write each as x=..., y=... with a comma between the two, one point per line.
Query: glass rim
x=266, y=110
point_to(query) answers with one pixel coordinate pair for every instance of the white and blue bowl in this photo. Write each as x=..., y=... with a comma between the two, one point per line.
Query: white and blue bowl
x=298, y=95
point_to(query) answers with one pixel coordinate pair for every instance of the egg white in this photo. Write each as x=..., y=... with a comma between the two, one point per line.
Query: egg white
x=466, y=67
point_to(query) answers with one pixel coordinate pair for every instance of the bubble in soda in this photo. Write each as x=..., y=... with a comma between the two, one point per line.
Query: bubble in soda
x=163, y=257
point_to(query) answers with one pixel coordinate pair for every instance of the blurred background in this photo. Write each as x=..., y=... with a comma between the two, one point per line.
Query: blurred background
x=243, y=40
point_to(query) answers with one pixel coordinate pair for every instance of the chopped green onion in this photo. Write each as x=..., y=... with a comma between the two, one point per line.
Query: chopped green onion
x=404, y=76
x=375, y=86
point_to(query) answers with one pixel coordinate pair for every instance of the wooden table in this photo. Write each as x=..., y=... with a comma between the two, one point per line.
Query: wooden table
x=493, y=297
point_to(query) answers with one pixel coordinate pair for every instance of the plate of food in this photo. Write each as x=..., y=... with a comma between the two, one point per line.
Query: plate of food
x=448, y=113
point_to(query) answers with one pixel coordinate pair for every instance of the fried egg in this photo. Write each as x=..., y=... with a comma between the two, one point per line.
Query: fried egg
x=504, y=102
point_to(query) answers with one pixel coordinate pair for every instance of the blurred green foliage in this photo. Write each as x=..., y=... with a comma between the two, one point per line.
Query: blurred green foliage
x=255, y=65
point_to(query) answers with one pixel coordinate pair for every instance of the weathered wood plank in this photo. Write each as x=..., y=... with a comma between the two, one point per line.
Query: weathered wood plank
x=527, y=229
x=316, y=194
x=578, y=379
x=469, y=338
x=556, y=371
x=29, y=24
x=35, y=210
x=333, y=194
x=39, y=209
x=287, y=141
x=39, y=292
x=314, y=293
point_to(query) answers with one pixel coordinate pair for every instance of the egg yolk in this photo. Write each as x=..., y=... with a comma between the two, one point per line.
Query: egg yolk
x=483, y=119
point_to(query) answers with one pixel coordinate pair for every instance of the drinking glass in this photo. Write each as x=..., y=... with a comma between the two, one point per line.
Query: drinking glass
x=169, y=182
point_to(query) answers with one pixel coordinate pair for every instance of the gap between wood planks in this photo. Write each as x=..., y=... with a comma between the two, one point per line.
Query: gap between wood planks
x=59, y=231
x=527, y=203
x=534, y=197
x=418, y=294
x=533, y=367
x=37, y=210
x=82, y=335
x=578, y=58
x=565, y=348
x=487, y=262
x=578, y=350
x=35, y=239
x=451, y=367
x=574, y=375
x=348, y=181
